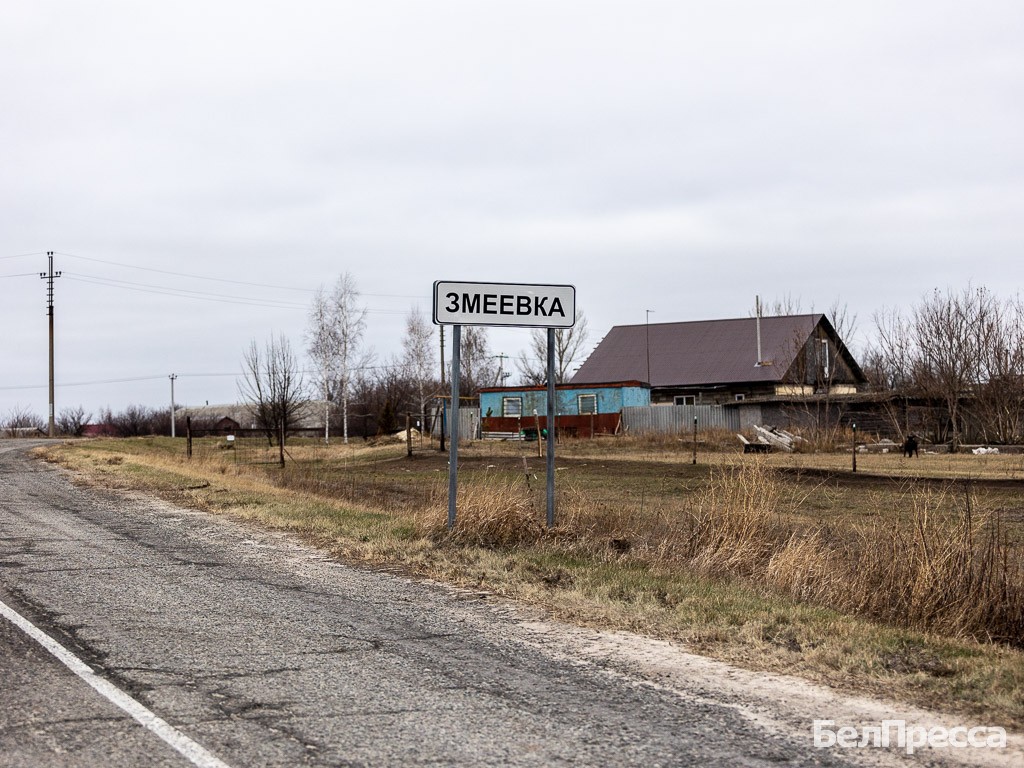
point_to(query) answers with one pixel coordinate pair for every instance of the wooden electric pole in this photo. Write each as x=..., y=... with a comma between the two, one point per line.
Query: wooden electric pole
x=49, y=276
x=442, y=358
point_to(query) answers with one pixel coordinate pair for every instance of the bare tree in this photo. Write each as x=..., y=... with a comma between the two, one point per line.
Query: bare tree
x=350, y=325
x=999, y=401
x=335, y=335
x=787, y=304
x=322, y=347
x=478, y=368
x=964, y=350
x=948, y=331
x=418, y=358
x=72, y=421
x=22, y=420
x=272, y=384
x=889, y=366
x=569, y=346
x=133, y=421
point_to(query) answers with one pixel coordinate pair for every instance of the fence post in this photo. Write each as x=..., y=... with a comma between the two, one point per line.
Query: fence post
x=188, y=436
x=444, y=413
x=695, y=440
x=854, y=447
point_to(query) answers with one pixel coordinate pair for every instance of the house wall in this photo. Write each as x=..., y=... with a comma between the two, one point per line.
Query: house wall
x=793, y=390
x=713, y=395
x=587, y=425
x=609, y=399
x=819, y=368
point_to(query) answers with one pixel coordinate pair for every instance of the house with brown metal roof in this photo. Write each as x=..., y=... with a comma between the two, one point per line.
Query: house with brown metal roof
x=723, y=361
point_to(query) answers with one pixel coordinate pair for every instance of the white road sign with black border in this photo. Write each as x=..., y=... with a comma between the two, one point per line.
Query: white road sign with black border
x=504, y=304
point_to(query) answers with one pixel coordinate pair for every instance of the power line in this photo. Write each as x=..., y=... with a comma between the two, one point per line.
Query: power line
x=228, y=299
x=21, y=274
x=190, y=294
x=23, y=255
x=184, y=292
x=204, y=375
x=157, y=377
x=186, y=274
x=84, y=383
x=226, y=280
x=126, y=380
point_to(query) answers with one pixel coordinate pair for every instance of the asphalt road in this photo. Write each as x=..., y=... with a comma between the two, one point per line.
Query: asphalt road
x=264, y=652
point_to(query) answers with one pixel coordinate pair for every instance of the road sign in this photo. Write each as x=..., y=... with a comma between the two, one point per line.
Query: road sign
x=504, y=304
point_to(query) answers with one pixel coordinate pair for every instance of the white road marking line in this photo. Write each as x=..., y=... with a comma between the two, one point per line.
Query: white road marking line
x=189, y=749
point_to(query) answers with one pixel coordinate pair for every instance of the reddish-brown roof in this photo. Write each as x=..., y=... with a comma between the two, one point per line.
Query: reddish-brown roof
x=699, y=353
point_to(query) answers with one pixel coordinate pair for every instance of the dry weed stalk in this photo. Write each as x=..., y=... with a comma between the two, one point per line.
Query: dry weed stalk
x=945, y=568
x=942, y=566
x=736, y=522
x=493, y=513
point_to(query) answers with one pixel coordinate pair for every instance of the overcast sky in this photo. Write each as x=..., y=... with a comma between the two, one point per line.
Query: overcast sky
x=679, y=157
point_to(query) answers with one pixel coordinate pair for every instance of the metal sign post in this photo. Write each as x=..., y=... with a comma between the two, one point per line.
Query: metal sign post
x=515, y=305
x=552, y=412
x=453, y=434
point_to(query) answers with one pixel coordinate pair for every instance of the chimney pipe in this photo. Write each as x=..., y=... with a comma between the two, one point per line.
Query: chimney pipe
x=757, y=309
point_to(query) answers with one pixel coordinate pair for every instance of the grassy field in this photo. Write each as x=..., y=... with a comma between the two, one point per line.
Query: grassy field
x=903, y=580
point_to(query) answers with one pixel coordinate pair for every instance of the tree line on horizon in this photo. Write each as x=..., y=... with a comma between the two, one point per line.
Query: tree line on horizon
x=961, y=352
x=348, y=379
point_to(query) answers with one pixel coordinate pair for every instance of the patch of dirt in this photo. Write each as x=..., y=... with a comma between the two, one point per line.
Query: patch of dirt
x=866, y=479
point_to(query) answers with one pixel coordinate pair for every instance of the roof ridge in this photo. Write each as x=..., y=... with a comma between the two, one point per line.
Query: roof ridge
x=722, y=320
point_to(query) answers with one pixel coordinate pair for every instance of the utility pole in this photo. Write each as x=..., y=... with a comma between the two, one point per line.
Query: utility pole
x=442, y=358
x=442, y=391
x=647, y=329
x=501, y=368
x=49, y=276
x=172, y=377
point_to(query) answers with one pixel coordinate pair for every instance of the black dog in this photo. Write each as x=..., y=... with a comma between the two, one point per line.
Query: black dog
x=910, y=447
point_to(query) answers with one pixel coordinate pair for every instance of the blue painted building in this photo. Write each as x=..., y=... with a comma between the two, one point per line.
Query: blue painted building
x=580, y=409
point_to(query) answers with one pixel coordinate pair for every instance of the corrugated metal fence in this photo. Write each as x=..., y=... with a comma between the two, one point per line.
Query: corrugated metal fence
x=669, y=419
x=666, y=419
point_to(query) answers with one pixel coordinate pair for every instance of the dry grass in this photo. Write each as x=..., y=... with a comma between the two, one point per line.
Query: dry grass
x=905, y=595
x=491, y=514
x=935, y=564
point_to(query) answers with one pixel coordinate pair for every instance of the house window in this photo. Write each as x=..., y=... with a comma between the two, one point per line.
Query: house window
x=587, y=404
x=740, y=396
x=512, y=406
x=685, y=400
